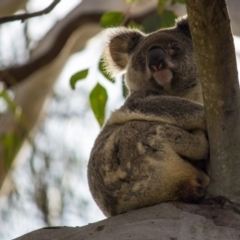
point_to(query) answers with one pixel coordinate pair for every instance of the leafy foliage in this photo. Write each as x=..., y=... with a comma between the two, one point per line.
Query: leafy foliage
x=77, y=77
x=11, y=142
x=111, y=19
x=167, y=18
x=98, y=98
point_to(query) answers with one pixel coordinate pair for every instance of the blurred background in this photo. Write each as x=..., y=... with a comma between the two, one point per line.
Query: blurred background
x=56, y=100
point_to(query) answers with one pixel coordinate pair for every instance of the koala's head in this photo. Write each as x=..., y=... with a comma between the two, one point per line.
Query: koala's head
x=161, y=60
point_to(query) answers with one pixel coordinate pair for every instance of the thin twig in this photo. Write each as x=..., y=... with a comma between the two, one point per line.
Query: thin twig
x=24, y=16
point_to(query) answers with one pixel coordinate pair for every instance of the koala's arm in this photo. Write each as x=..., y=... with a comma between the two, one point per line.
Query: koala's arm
x=151, y=106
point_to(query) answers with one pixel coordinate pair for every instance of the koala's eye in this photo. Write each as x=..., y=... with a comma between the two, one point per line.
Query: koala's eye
x=175, y=47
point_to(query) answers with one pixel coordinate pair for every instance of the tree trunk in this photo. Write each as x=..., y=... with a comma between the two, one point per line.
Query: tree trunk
x=215, y=53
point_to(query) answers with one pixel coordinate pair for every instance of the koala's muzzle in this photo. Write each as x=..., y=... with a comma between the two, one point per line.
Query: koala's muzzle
x=155, y=59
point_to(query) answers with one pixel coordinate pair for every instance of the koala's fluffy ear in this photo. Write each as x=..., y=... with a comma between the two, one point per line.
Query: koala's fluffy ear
x=183, y=26
x=121, y=43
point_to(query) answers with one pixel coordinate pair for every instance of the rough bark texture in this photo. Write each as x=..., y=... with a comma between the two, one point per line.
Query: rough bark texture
x=168, y=221
x=216, y=61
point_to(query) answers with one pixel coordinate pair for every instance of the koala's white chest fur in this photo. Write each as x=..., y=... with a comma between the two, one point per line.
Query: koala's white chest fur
x=147, y=151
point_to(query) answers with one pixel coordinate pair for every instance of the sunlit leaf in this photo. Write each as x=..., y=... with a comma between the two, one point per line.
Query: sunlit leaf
x=98, y=98
x=161, y=5
x=152, y=23
x=168, y=18
x=103, y=71
x=77, y=77
x=111, y=19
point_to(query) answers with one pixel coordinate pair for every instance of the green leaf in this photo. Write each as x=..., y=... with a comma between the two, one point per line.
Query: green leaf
x=103, y=71
x=168, y=18
x=78, y=76
x=98, y=98
x=152, y=23
x=161, y=5
x=111, y=19
x=179, y=1
x=11, y=142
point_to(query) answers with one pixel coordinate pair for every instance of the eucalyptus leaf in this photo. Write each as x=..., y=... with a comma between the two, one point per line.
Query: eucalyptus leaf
x=111, y=19
x=10, y=142
x=168, y=18
x=78, y=76
x=98, y=98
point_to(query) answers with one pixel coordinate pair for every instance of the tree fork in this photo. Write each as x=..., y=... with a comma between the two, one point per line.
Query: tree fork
x=213, y=42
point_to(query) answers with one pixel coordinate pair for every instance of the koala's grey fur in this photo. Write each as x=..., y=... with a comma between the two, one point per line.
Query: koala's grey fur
x=146, y=151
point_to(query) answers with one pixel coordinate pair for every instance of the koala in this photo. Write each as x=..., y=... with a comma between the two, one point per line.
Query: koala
x=147, y=151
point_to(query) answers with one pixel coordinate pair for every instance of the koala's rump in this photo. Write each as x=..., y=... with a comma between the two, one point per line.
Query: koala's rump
x=133, y=166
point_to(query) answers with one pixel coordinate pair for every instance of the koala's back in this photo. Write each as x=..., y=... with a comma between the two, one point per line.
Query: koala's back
x=133, y=165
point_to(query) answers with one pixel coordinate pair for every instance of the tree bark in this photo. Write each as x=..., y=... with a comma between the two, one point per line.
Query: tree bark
x=215, y=53
x=172, y=221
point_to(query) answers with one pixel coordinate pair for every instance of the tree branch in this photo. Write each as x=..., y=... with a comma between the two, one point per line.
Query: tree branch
x=25, y=16
x=164, y=221
x=15, y=75
x=215, y=54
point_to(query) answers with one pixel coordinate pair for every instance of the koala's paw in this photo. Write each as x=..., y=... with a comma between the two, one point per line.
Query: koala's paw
x=203, y=144
x=194, y=189
x=198, y=189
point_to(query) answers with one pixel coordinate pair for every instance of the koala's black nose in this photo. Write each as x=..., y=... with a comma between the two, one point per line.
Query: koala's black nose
x=155, y=59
